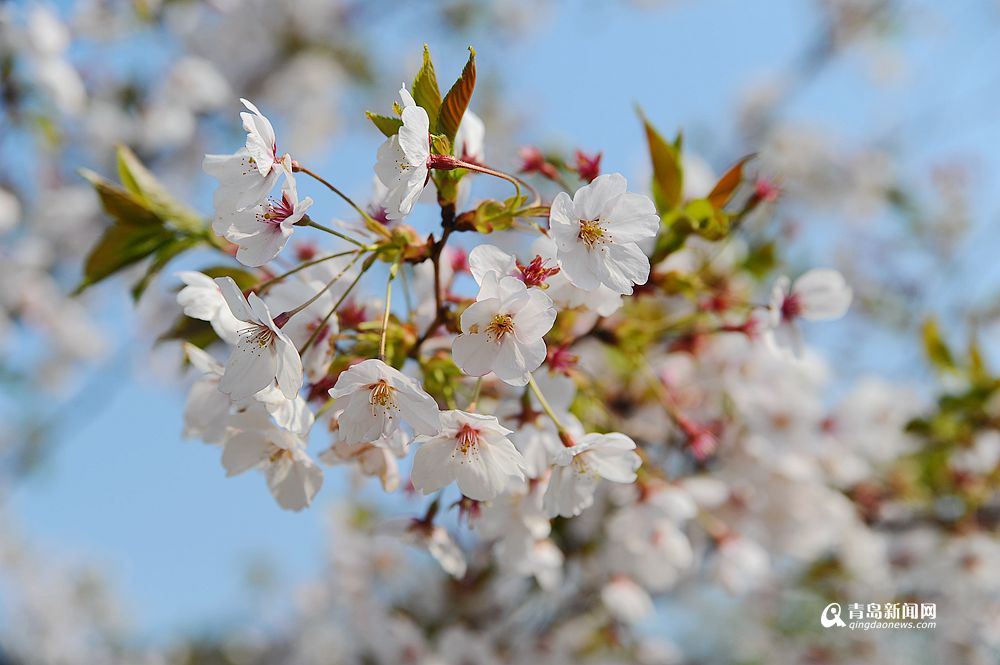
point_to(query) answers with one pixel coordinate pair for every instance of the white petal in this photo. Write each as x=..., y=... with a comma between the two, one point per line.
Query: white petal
x=288, y=370
x=295, y=483
x=244, y=451
x=433, y=466
x=488, y=258
x=234, y=299
x=250, y=369
x=590, y=201
x=475, y=355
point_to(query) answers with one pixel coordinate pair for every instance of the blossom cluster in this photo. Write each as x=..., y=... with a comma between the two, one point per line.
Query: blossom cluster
x=612, y=391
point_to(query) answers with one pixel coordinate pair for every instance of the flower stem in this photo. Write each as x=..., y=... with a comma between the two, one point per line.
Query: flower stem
x=289, y=314
x=512, y=179
x=303, y=266
x=298, y=167
x=563, y=434
x=475, y=395
x=315, y=333
x=332, y=232
x=385, y=315
x=440, y=310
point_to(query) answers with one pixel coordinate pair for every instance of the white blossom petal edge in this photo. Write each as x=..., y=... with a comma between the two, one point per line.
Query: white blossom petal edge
x=401, y=162
x=579, y=467
x=474, y=451
x=597, y=232
x=378, y=397
x=263, y=354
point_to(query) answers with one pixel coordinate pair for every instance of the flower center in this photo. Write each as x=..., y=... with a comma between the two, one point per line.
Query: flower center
x=279, y=453
x=467, y=437
x=535, y=273
x=276, y=212
x=501, y=325
x=591, y=231
x=382, y=395
x=791, y=307
x=257, y=334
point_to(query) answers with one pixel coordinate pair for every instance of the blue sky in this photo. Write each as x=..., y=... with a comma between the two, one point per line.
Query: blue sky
x=177, y=537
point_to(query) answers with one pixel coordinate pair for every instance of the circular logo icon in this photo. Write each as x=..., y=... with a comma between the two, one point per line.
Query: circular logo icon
x=831, y=616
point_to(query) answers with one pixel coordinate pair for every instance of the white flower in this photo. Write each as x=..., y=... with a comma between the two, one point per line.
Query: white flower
x=261, y=231
x=434, y=539
x=261, y=144
x=565, y=294
x=202, y=299
x=819, y=295
x=981, y=458
x=206, y=412
x=401, y=163
x=502, y=332
x=470, y=139
x=10, y=211
x=376, y=394
x=579, y=467
x=241, y=185
x=485, y=259
x=596, y=233
x=741, y=565
x=471, y=449
x=292, y=476
x=263, y=354
x=207, y=408
x=289, y=294
x=626, y=601
x=247, y=176
x=372, y=460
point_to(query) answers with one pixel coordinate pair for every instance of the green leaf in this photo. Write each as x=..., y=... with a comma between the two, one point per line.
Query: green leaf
x=705, y=219
x=979, y=373
x=935, y=347
x=162, y=257
x=386, y=124
x=122, y=206
x=136, y=232
x=425, y=89
x=243, y=278
x=456, y=102
x=144, y=186
x=491, y=215
x=441, y=145
x=121, y=246
x=668, y=171
x=726, y=187
x=197, y=332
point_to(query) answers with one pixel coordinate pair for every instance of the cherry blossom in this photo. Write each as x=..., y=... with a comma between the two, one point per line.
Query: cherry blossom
x=255, y=442
x=596, y=232
x=261, y=232
x=264, y=353
x=470, y=139
x=502, y=332
x=247, y=176
x=474, y=451
x=379, y=398
x=579, y=467
x=202, y=299
x=818, y=295
x=401, y=163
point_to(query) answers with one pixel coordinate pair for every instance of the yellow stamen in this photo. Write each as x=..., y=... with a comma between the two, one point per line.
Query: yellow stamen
x=467, y=438
x=382, y=395
x=501, y=325
x=591, y=231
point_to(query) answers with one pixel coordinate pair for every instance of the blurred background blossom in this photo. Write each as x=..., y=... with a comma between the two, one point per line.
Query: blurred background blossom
x=866, y=471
